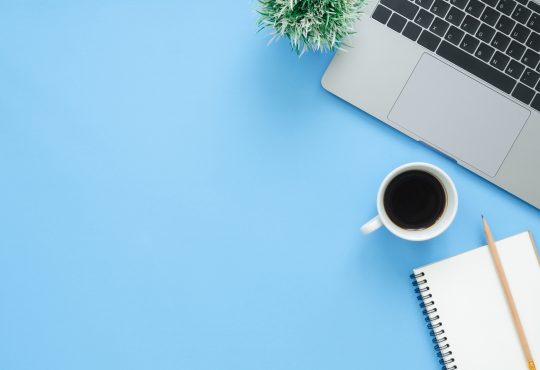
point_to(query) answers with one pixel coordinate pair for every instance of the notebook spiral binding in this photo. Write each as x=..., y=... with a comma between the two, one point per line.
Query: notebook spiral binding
x=434, y=323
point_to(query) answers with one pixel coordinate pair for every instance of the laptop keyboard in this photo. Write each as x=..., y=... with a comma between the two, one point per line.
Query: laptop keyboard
x=498, y=41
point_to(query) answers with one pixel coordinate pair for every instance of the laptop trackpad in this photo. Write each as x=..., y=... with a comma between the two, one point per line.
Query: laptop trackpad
x=458, y=115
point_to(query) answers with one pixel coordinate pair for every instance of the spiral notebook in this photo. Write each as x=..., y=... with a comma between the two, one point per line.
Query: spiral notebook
x=466, y=310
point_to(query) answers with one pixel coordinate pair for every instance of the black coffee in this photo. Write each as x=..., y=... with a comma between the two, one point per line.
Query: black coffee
x=414, y=200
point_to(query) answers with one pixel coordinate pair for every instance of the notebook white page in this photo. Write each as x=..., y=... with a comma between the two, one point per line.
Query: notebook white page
x=472, y=308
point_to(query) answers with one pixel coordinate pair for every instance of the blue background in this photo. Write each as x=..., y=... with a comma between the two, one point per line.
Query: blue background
x=176, y=194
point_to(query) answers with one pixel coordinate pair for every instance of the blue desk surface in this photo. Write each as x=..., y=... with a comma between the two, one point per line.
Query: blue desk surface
x=175, y=194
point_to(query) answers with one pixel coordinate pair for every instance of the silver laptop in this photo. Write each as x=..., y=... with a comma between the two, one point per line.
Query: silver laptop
x=460, y=75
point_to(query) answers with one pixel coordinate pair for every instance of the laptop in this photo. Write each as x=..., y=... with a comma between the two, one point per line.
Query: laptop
x=462, y=76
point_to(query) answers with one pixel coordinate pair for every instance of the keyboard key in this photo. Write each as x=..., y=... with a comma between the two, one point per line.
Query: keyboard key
x=429, y=40
x=530, y=78
x=530, y=58
x=484, y=52
x=455, y=16
x=523, y=2
x=381, y=14
x=520, y=33
x=470, y=25
x=499, y=60
x=500, y=41
x=426, y=4
x=397, y=22
x=515, y=69
x=403, y=7
x=490, y=16
x=476, y=67
x=536, y=102
x=423, y=18
x=489, y=2
x=535, y=7
x=475, y=8
x=534, y=41
x=485, y=33
x=506, y=6
x=412, y=31
x=439, y=27
x=505, y=24
x=523, y=93
x=521, y=14
x=515, y=50
x=440, y=8
x=454, y=35
x=469, y=44
x=534, y=22
x=459, y=3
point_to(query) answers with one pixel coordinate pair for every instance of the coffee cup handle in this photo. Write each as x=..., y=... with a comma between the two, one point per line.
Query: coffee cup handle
x=371, y=225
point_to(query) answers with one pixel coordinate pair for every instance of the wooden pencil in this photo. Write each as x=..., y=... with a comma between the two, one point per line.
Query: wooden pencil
x=508, y=294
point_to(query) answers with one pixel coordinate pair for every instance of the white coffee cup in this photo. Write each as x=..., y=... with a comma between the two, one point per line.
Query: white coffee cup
x=437, y=228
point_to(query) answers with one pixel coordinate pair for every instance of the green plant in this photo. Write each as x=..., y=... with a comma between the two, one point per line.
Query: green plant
x=310, y=24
